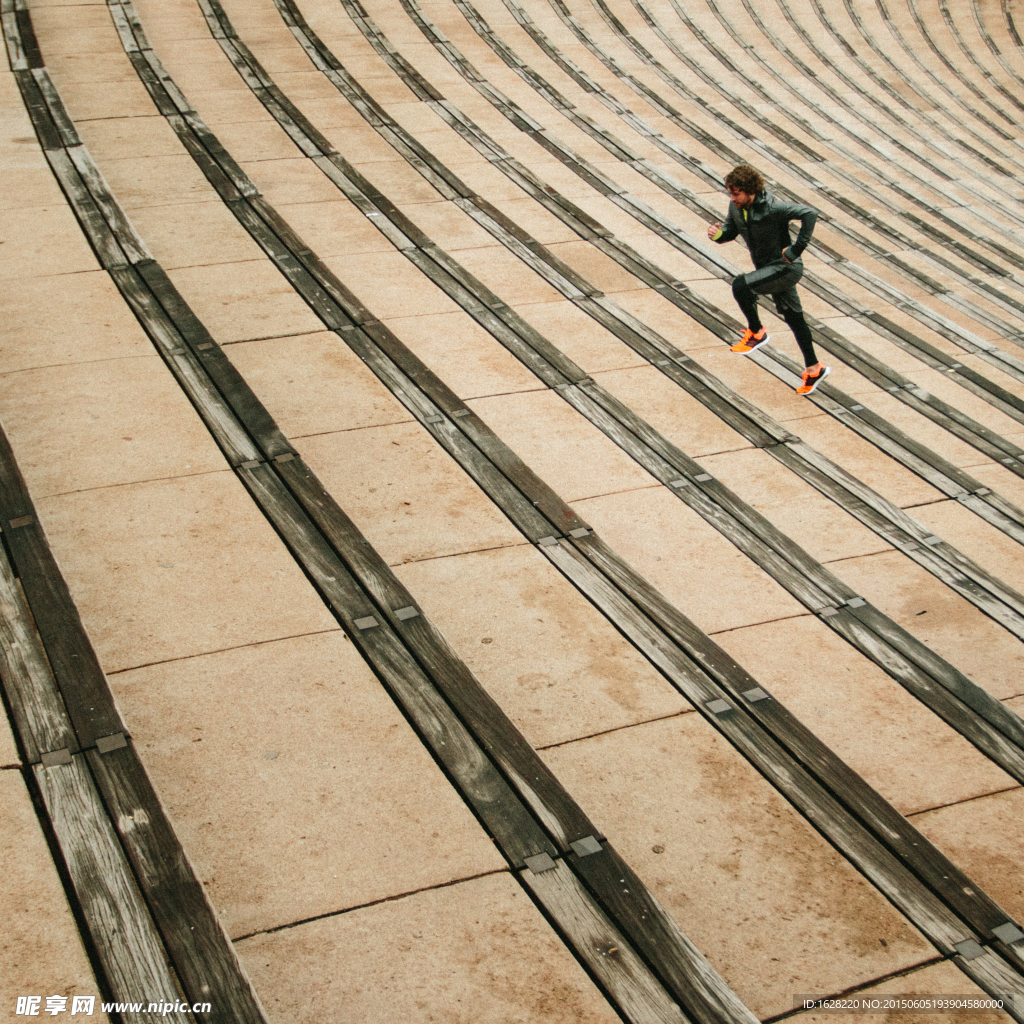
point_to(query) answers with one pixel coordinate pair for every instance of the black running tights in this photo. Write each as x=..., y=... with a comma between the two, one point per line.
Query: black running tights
x=747, y=301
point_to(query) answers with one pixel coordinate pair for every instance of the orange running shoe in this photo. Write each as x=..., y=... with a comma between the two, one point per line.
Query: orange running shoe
x=812, y=380
x=751, y=342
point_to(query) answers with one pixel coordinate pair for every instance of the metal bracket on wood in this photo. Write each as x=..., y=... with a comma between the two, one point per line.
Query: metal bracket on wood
x=539, y=863
x=755, y=694
x=116, y=741
x=287, y=457
x=367, y=622
x=982, y=491
x=252, y=464
x=932, y=540
x=546, y=542
x=586, y=846
x=56, y=757
x=718, y=707
x=1008, y=932
x=828, y=611
x=856, y=408
x=679, y=483
x=205, y=345
x=579, y=532
x=969, y=949
x=22, y=521
x=435, y=419
x=461, y=412
x=703, y=477
x=408, y=612
x=856, y=602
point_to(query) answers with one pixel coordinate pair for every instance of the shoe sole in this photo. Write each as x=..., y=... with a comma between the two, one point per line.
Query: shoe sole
x=814, y=386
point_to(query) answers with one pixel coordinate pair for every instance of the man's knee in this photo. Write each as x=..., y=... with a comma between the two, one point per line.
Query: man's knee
x=740, y=288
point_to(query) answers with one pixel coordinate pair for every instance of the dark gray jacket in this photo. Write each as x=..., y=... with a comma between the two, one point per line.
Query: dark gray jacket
x=766, y=228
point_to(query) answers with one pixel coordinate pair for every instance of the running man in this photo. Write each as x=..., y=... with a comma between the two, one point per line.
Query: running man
x=763, y=221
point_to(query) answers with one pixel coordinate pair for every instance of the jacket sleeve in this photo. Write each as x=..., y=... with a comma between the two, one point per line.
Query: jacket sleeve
x=807, y=217
x=730, y=229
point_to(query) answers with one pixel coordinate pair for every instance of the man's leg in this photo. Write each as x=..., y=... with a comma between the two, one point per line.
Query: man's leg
x=747, y=301
x=802, y=333
x=776, y=277
x=789, y=307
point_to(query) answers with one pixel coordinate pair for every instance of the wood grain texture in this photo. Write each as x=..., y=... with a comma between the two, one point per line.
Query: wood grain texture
x=71, y=656
x=608, y=955
x=658, y=938
x=199, y=948
x=32, y=695
x=222, y=372
x=122, y=931
x=237, y=445
x=90, y=217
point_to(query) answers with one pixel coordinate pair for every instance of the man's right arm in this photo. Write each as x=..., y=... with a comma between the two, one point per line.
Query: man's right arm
x=724, y=233
x=718, y=232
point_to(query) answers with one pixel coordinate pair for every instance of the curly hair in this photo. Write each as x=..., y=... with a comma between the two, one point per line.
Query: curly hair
x=745, y=178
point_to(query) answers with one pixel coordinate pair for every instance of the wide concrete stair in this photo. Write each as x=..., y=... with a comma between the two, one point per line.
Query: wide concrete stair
x=410, y=609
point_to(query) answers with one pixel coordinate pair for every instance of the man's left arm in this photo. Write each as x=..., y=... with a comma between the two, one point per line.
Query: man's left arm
x=807, y=217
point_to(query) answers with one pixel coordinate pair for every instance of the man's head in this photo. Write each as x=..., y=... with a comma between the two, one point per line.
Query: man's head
x=743, y=183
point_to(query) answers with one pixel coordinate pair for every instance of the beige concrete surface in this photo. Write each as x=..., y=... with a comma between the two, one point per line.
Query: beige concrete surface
x=677, y=552
x=170, y=235
x=551, y=661
x=715, y=843
x=299, y=788
x=582, y=339
x=472, y=367
x=823, y=529
x=8, y=751
x=66, y=319
x=41, y=953
x=678, y=416
x=334, y=227
x=198, y=569
x=119, y=420
x=955, y=630
x=865, y=461
x=244, y=301
x=158, y=181
x=47, y=241
x=473, y=953
x=405, y=493
x=315, y=384
x=884, y=733
x=390, y=285
x=983, y=830
x=560, y=445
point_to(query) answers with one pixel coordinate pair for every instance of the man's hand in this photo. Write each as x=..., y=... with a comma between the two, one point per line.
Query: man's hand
x=714, y=231
x=787, y=254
